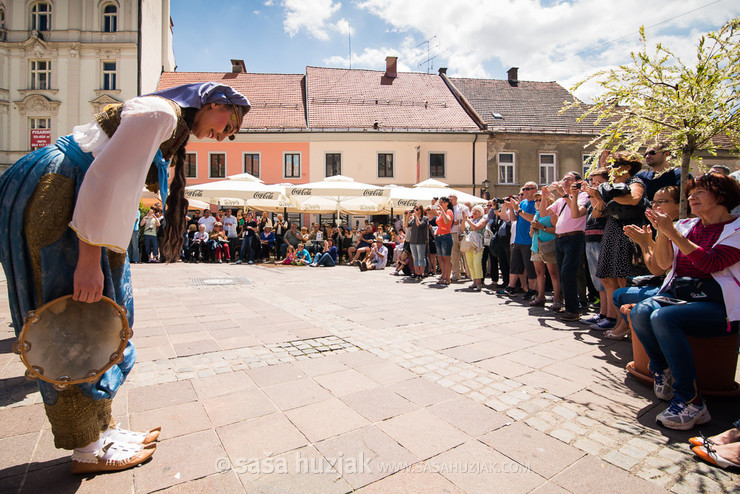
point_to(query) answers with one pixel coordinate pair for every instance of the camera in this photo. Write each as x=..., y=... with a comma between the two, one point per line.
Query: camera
x=578, y=185
x=498, y=201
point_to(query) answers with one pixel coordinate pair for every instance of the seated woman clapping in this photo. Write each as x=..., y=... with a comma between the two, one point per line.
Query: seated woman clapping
x=700, y=296
x=666, y=200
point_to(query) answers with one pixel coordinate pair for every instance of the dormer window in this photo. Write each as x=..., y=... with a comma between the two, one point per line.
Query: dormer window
x=41, y=16
x=110, y=18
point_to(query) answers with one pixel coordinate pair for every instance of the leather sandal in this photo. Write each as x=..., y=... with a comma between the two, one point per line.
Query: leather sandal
x=538, y=302
x=83, y=463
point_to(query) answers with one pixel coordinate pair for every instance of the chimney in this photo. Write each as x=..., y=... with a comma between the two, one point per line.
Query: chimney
x=513, y=76
x=442, y=70
x=238, y=67
x=390, y=67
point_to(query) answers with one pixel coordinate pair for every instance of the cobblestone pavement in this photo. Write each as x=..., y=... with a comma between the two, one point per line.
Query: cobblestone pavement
x=294, y=379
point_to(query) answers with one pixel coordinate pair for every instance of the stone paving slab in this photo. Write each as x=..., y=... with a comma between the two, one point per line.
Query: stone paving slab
x=332, y=387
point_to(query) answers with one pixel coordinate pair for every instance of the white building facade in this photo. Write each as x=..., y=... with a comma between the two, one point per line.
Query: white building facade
x=63, y=61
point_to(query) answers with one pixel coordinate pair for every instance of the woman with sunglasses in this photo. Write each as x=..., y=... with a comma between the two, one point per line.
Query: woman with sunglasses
x=703, y=255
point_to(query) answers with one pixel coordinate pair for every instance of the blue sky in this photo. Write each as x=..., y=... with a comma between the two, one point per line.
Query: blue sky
x=548, y=40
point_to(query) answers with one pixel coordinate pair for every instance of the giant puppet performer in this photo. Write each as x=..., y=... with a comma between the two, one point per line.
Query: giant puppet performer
x=67, y=211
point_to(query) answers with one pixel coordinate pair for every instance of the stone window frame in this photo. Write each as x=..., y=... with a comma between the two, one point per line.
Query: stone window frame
x=107, y=73
x=38, y=15
x=294, y=166
x=444, y=164
x=35, y=73
x=211, y=157
x=551, y=169
x=338, y=170
x=110, y=18
x=259, y=163
x=188, y=163
x=507, y=166
x=386, y=172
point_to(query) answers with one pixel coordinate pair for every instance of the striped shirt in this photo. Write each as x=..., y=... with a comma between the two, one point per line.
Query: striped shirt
x=706, y=259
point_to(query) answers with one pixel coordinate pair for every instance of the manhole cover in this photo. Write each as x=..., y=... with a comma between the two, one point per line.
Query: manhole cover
x=220, y=281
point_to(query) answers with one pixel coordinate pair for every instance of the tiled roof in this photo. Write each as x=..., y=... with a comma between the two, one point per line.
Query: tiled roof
x=356, y=99
x=528, y=107
x=277, y=99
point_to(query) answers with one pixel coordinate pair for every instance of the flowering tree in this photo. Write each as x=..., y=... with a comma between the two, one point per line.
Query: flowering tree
x=659, y=97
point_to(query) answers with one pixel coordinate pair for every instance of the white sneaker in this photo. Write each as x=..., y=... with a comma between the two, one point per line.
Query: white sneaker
x=683, y=416
x=663, y=384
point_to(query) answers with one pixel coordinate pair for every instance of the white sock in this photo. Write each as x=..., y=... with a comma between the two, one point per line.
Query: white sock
x=108, y=450
x=123, y=436
x=93, y=446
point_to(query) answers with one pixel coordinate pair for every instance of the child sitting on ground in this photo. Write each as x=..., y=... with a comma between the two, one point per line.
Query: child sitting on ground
x=289, y=256
x=302, y=257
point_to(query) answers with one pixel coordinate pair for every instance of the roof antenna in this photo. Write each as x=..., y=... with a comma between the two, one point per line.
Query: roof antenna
x=349, y=36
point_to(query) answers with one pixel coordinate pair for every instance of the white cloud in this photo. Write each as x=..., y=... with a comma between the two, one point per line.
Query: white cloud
x=268, y=3
x=343, y=27
x=565, y=41
x=309, y=15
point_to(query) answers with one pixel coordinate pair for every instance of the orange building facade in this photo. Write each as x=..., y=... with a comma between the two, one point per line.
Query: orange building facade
x=272, y=162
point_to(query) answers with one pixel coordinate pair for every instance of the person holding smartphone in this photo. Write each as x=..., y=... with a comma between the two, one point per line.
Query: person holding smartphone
x=416, y=223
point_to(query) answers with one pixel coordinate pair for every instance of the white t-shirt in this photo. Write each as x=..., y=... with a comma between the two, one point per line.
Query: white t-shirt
x=229, y=226
x=208, y=222
x=458, y=212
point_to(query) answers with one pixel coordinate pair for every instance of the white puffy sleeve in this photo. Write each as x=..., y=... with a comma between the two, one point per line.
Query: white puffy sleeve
x=110, y=192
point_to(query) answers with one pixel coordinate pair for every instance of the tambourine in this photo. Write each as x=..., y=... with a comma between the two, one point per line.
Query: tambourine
x=67, y=342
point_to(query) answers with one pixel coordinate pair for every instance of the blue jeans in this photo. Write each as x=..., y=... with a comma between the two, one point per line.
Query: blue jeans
x=632, y=295
x=662, y=330
x=247, y=243
x=569, y=250
x=443, y=244
x=419, y=253
x=325, y=260
x=151, y=246
x=592, y=259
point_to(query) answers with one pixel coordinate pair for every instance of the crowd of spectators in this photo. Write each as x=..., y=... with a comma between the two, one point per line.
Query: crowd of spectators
x=611, y=242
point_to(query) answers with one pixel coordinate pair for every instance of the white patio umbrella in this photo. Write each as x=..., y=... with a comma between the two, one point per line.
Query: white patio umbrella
x=196, y=204
x=245, y=176
x=213, y=192
x=429, y=189
x=347, y=195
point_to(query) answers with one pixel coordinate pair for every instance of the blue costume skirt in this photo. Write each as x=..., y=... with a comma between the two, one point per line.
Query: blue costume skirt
x=39, y=250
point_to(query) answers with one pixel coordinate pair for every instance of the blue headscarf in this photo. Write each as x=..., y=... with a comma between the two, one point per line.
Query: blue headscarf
x=198, y=94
